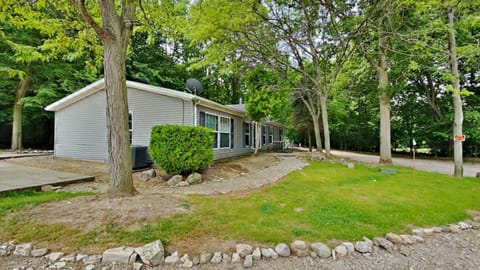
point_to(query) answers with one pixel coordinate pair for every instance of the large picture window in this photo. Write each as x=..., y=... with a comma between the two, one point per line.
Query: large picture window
x=221, y=127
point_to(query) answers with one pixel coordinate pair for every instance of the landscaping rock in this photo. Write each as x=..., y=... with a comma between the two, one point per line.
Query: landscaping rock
x=418, y=232
x=90, y=267
x=248, y=262
x=350, y=247
x=464, y=226
x=243, y=250
x=152, y=253
x=257, y=255
x=196, y=260
x=407, y=239
x=173, y=258
x=124, y=255
x=269, y=253
x=340, y=251
x=282, y=250
x=23, y=250
x=6, y=249
x=39, y=252
x=175, y=180
x=194, y=178
x=384, y=243
x=138, y=266
x=322, y=250
x=364, y=246
x=454, y=228
x=55, y=256
x=80, y=257
x=93, y=259
x=418, y=239
x=299, y=248
x=187, y=264
x=226, y=258
x=235, y=258
x=183, y=184
x=147, y=175
x=205, y=257
x=217, y=258
x=58, y=265
x=68, y=258
x=395, y=238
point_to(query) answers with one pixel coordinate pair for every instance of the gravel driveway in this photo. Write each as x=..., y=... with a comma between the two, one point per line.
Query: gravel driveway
x=441, y=166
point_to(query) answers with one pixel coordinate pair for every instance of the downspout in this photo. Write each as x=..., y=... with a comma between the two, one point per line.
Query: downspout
x=195, y=103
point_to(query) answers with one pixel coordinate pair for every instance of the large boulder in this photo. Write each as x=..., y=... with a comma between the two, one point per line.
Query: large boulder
x=322, y=250
x=194, y=178
x=243, y=250
x=147, y=175
x=174, y=180
x=152, y=253
x=282, y=250
x=125, y=255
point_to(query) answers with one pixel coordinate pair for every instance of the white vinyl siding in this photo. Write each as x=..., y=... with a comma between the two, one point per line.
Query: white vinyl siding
x=81, y=132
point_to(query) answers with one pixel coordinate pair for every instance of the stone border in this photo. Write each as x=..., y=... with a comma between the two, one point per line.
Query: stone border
x=153, y=254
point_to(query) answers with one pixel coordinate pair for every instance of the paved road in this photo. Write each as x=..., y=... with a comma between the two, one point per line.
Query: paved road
x=441, y=166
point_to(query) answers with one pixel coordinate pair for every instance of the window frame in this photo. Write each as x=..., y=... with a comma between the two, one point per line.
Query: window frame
x=130, y=126
x=247, y=134
x=271, y=131
x=219, y=131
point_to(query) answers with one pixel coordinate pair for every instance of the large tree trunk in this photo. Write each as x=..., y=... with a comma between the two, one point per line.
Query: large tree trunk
x=326, y=129
x=457, y=99
x=384, y=98
x=258, y=138
x=119, y=155
x=316, y=131
x=17, y=121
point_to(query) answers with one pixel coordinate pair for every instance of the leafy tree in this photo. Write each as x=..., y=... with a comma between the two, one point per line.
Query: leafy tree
x=264, y=97
x=32, y=34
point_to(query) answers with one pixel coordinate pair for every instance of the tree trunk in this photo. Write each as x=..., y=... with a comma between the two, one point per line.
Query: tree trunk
x=316, y=131
x=326, y=129
x=17, y=121
x=384, y=98
x=119, y=155
x=457, y=99
x=258, y=138
x=309, y=136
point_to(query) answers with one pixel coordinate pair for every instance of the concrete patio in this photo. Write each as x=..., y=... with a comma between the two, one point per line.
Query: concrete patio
x=14, y=177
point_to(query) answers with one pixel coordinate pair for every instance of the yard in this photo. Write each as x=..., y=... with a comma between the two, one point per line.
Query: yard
x=323, y=202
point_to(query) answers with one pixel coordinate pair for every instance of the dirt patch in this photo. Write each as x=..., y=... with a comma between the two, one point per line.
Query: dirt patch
x=95, y=212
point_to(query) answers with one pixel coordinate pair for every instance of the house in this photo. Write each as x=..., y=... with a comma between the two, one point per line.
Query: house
x=80, y=121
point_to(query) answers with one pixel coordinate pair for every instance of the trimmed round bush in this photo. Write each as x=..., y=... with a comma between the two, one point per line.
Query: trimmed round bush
x=181, y=149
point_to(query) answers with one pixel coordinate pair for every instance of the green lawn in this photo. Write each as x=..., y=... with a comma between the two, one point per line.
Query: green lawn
x=323, y=202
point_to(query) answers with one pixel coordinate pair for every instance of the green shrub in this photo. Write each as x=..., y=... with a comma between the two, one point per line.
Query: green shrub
x=181, y=149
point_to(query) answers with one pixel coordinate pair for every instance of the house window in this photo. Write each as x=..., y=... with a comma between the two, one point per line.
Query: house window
x=130, y=125
x=247, y=136
x=264, y=135
x=270, y=135
x=221, y=127
x=280, y=135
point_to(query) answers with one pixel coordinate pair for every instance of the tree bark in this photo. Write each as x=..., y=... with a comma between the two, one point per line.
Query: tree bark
x=115, y=35
x=258, y=138
x=17, y=121
x=384, y=98
x=457, y=99
x=119, y=155
x=326, y=128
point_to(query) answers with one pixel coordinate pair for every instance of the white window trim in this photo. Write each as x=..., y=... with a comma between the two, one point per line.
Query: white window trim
x=248, y=132
x=218, y=131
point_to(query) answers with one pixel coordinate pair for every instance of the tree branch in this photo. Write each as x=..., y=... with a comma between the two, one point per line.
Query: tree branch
x=80, y=7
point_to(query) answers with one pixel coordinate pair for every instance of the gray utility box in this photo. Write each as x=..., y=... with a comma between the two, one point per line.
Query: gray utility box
x=139, y=156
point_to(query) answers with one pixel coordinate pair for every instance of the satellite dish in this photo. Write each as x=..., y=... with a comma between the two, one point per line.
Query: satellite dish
x=194, y=86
